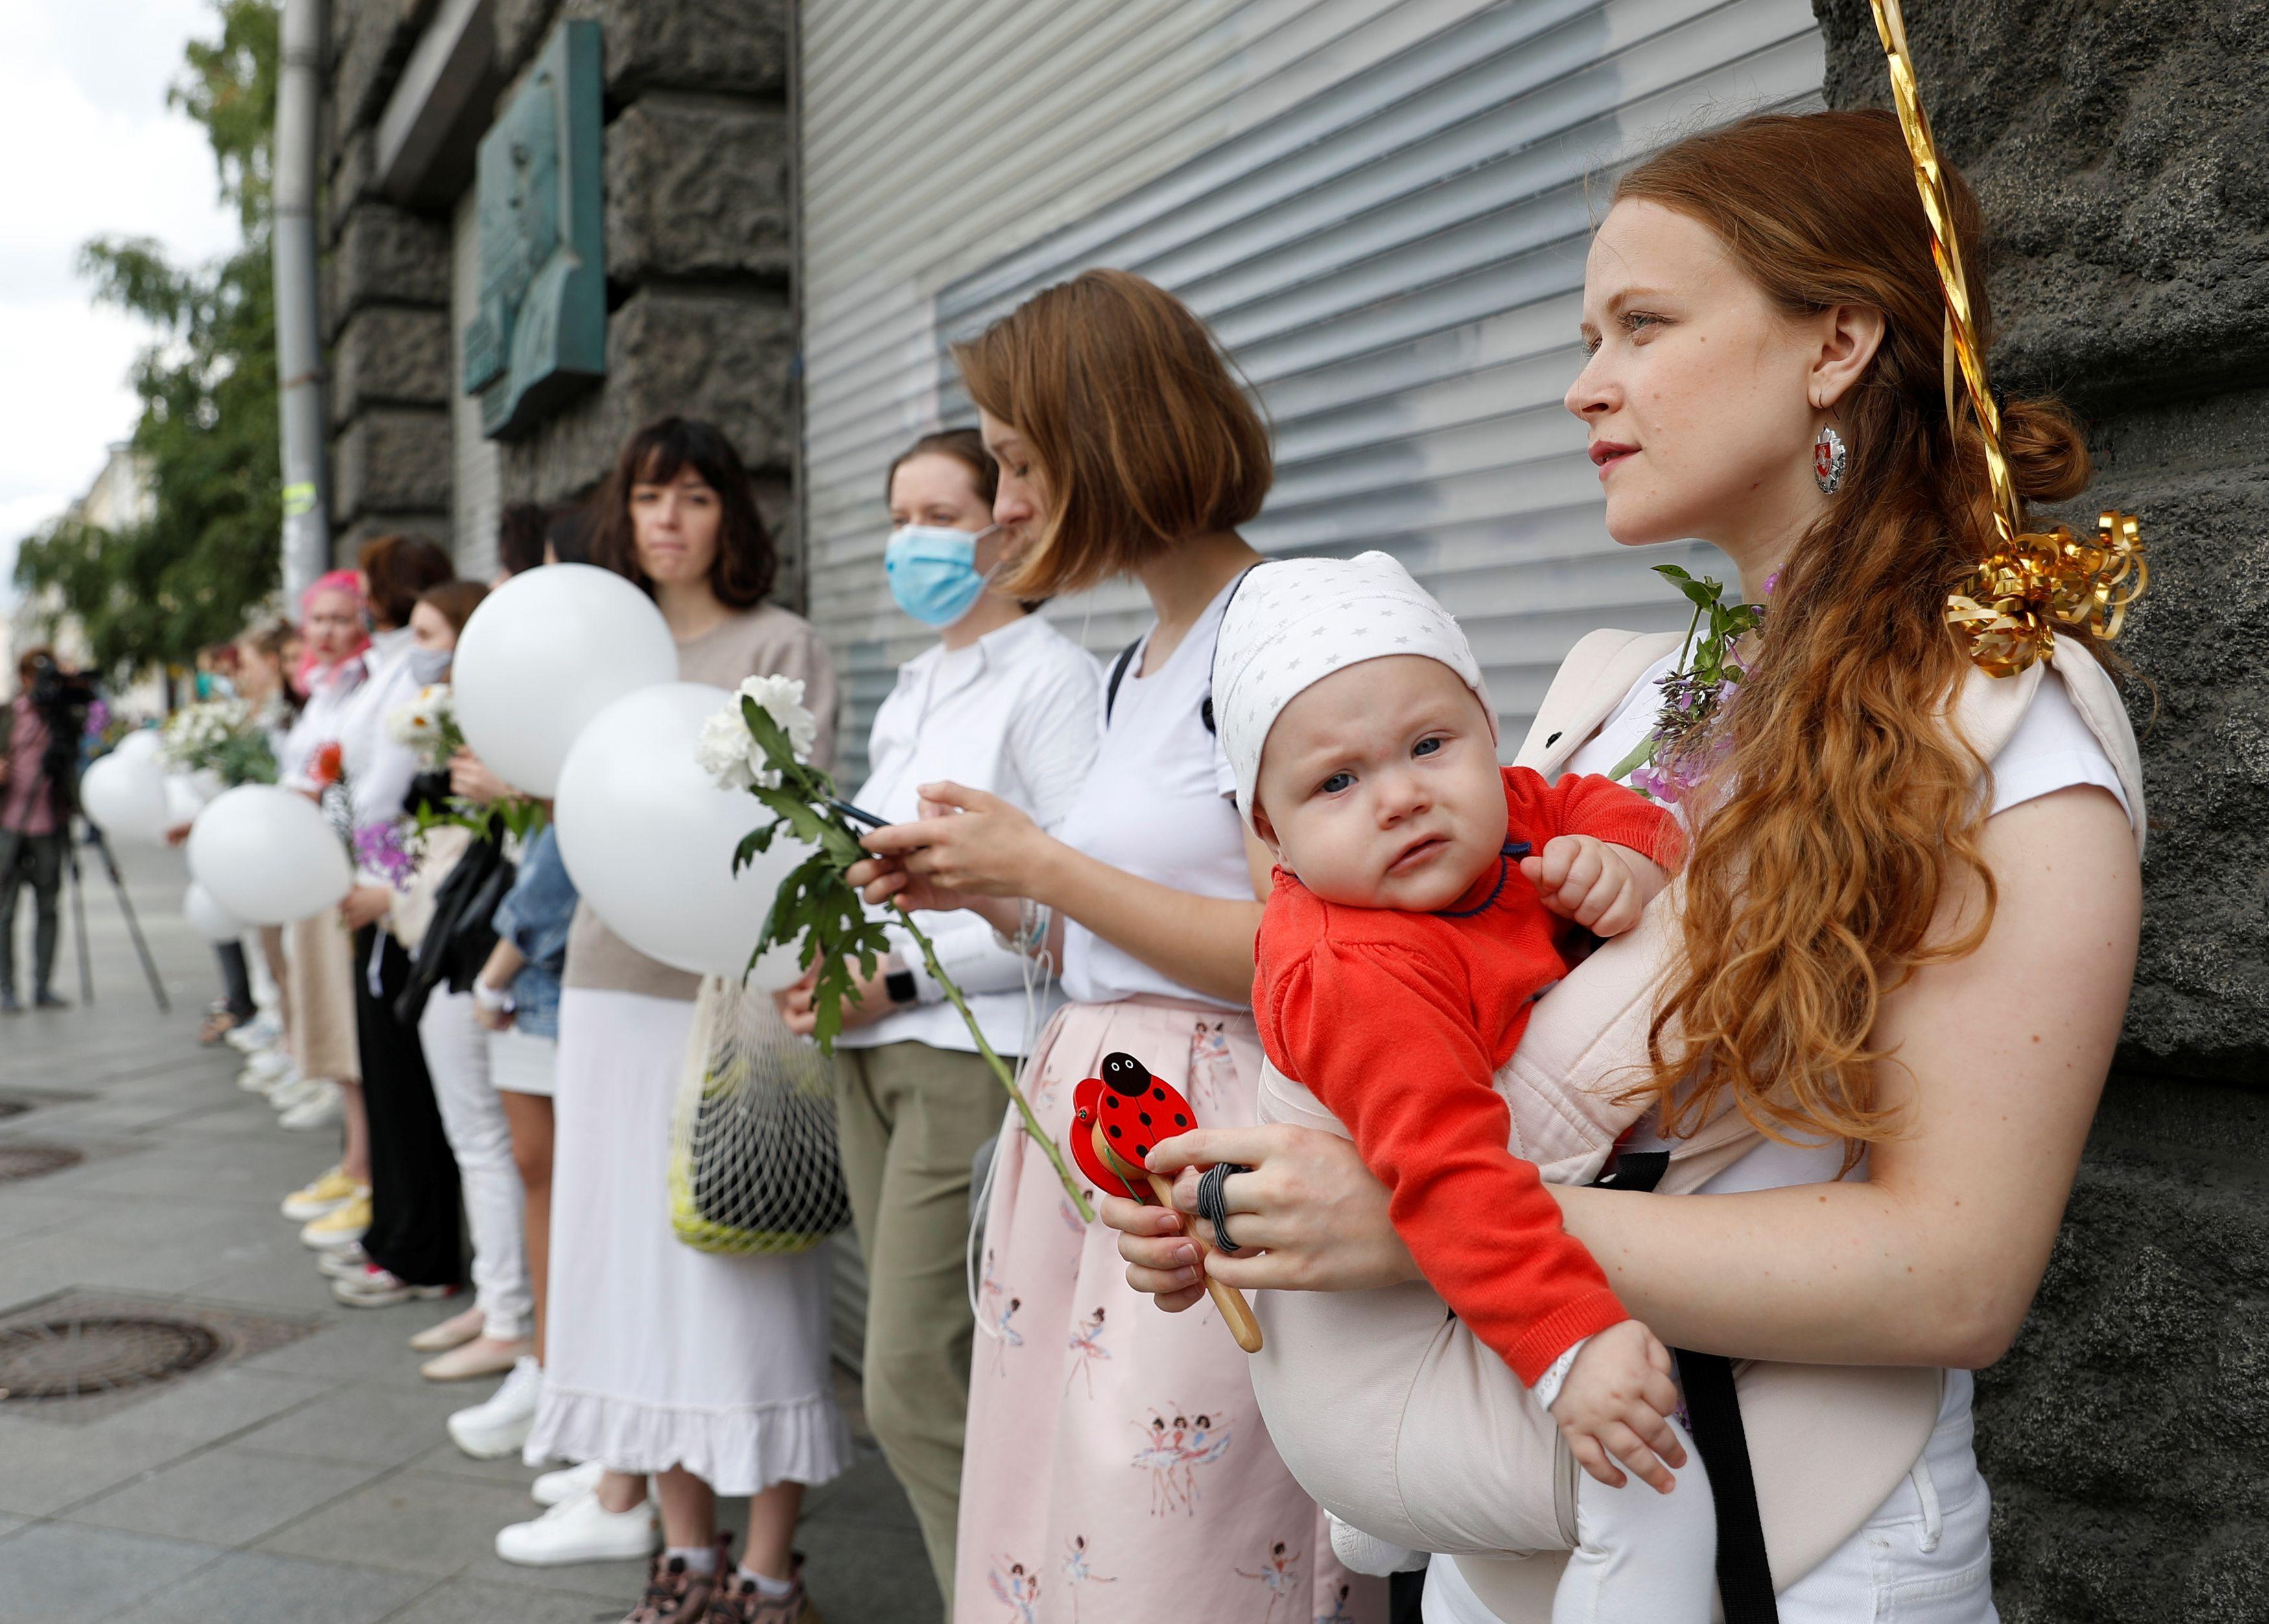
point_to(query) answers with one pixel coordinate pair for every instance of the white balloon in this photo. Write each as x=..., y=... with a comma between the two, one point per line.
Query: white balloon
x=211, y=921
x=189, y=793
x=139, y=744
x=268, y=856
x=648, y=838
x=544, y=653
x=125, y=797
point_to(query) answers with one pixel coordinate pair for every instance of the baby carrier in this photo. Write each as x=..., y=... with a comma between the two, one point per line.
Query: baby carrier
x=1396, y=1418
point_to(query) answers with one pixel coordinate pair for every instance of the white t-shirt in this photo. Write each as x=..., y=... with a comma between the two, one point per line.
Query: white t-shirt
x=2052, y=750
x=1014, y=713
x=1159, y=803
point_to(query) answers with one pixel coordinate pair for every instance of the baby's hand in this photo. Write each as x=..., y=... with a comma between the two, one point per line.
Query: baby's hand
x=1602, y=888
x=1615, y=1404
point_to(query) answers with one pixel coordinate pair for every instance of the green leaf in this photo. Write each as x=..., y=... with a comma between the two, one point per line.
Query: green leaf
x=1671, y=571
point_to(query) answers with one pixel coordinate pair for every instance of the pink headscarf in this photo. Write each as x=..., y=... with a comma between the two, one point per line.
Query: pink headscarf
x=344, y=581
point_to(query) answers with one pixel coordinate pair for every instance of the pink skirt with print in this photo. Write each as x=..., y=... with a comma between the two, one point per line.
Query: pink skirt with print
x=1117, y=1470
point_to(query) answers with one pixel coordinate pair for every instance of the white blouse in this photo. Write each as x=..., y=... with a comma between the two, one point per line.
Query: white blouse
x=1016, y=714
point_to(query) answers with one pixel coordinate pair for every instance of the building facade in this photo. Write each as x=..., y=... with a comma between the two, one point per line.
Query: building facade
x=1381, y=205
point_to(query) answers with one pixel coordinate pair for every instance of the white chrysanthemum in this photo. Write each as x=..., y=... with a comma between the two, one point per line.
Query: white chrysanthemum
x=729, y=753
x=782, y=698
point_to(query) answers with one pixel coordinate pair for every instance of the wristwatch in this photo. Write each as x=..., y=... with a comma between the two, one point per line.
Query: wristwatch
x=899, y=985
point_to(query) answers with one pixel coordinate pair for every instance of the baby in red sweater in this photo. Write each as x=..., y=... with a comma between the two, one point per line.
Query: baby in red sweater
x=1424, y=897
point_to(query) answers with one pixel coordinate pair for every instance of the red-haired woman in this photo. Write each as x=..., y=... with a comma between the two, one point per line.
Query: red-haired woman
x=1107, y=1446
x=1907, y=961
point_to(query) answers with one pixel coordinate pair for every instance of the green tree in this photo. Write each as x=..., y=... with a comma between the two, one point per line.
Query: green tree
x=157, y=593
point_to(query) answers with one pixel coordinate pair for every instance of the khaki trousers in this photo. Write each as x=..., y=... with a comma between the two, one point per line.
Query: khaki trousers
x=319, y=993
x=911, y=1119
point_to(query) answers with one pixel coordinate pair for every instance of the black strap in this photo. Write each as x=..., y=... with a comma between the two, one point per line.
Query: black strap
x=1118, y=670
x=1713, y=1411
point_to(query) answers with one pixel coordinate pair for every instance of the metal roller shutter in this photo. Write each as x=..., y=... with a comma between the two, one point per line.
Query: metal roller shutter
x=1381, y=209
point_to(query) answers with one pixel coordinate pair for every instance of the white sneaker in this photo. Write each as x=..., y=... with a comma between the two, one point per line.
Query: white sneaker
x=581, y=1531
x=255, y=1081
x=319, y=1112
x=269, y=1062
x=564, y=1484
x=497, y=1427
x=258, y=1033
x=291, y=1089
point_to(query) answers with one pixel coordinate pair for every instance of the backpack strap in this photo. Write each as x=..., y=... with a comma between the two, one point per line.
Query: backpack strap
x=1118, y=671
x=1590, y=684
x=1713, y=1409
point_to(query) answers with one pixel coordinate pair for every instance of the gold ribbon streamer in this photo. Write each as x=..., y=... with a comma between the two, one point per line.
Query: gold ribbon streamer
x=2006, y=610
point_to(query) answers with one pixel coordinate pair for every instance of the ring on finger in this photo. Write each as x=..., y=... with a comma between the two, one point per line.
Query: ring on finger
x=1213, y=1205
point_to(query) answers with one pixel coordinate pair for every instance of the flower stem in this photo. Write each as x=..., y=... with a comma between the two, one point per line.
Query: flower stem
x=999, y=1066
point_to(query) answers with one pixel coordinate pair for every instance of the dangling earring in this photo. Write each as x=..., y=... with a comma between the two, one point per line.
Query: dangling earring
x=1828, y=456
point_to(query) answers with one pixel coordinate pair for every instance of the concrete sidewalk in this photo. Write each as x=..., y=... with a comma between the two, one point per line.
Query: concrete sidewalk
x=311, y=1482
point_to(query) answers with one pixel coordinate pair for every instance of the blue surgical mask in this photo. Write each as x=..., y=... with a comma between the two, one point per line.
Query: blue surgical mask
x=933, y=572
x=430, y=666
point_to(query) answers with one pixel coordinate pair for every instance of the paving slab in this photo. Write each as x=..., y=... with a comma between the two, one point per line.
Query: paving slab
x=53, y=1573
x=367, y=1423
x=484, y=1601
x=412, y=1522
x=254, y=1587
x=227, y=1497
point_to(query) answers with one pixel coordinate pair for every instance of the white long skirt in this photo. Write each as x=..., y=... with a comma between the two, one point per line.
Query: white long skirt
x=659, y=1355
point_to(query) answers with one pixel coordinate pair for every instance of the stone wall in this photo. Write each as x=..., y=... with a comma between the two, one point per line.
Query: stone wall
x=2121, y=150
x=699, y=248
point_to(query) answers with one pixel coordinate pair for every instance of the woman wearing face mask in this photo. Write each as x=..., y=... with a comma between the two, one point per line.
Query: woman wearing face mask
x=325, y=1075
x=1765, y=372
x=1006, y=704
x=414, y=1249
x=1126, y=449
x=708, y=1372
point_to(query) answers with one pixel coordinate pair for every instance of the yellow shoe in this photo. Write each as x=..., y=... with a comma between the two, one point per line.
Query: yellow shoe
x=330, y=1192
x=342, y=1226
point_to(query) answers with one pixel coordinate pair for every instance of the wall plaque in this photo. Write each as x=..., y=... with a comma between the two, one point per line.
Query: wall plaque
x=541, y=332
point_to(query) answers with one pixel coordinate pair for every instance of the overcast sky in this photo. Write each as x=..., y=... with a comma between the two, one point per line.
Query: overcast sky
x=88, y=148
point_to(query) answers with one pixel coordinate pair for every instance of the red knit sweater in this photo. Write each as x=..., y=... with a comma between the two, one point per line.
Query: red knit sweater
x=1398, y=1021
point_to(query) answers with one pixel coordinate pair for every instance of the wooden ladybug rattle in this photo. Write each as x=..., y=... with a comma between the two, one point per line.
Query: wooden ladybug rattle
x=1117, y=1117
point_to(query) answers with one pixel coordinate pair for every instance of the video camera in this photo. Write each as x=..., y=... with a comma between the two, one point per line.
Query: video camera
x=61, y=697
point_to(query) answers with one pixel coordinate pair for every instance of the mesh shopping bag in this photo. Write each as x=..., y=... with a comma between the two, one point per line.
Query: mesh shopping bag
x=753, y=1165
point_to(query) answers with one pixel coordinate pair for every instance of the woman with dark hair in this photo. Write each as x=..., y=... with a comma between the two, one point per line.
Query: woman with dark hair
x=1004, y=703
x=708, y=1372
x=520, y=540
x=414, y=1247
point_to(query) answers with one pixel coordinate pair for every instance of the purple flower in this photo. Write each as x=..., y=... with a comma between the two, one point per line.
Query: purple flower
x=97, y=719
x=378, y=848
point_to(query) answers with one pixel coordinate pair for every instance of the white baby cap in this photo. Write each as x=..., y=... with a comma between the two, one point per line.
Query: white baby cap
x=1295, y=621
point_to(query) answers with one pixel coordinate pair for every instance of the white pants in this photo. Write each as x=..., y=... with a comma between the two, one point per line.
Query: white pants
x=1642, y=1557
x=1925, y=1557
x=458, y=1055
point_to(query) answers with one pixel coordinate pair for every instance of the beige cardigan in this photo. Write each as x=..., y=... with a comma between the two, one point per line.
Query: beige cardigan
x=1399, y=1420
x=764, y=641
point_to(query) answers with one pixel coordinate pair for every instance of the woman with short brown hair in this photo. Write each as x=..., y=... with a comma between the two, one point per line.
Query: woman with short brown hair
x=1107, y=1444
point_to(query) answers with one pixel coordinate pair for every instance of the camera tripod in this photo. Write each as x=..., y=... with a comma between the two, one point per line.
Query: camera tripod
x=94, y=838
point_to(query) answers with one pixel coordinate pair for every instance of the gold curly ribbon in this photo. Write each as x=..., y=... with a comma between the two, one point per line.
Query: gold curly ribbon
x=2008, y=608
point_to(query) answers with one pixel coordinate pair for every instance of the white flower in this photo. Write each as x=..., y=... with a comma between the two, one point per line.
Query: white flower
x=781, y=698
x=729, y=753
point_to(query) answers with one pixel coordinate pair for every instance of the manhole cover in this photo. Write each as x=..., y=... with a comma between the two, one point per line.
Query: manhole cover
x=29, y=1160
x=68, y=1358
